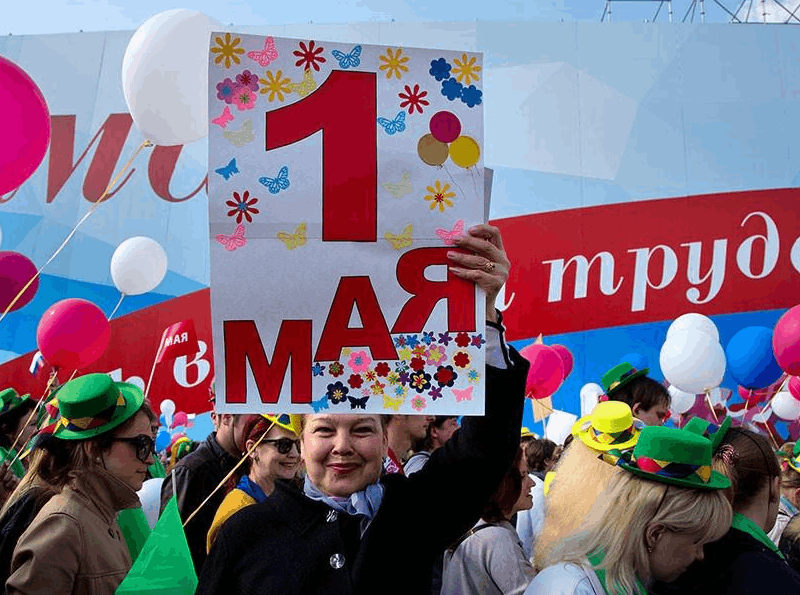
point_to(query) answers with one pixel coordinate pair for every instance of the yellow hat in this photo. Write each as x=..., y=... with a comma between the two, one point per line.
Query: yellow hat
x=287, y=422
x=548, y=480
x=526, y=433
x=610, y=426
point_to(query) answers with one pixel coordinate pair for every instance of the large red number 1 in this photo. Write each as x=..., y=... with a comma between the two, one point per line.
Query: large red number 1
x=345, y=109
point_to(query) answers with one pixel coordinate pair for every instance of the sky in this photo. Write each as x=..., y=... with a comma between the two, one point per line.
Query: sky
x=59, y=16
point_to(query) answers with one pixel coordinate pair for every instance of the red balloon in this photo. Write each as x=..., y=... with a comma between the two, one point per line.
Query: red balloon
x=445, y=127
x=546, y=372
x=794, y=387
x=26, y=126
x=73, y=334
x=786, y=341
x=15, y=271
x=753, y=396
x=566, y=358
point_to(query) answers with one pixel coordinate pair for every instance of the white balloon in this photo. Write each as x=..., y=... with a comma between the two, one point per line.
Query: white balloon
x=680, y=401
x=589, y=395
x=693, y=361
x=150, y=497
x=559, y=426
x=785, y=406
x=139, y=264
x=165, y=76
x=693, y=321
x=167, y=406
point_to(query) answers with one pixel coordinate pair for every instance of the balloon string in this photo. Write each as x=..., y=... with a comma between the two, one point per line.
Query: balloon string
x=452, y=179
x=231, y=472
x=111, y=184
x=775, y=394
x=119, y=303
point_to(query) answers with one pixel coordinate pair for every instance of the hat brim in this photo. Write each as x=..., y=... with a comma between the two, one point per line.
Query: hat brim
x=717, y=481
x=628, y=379
x=586, y=437
x=719, y=435
x=22, y=400
x=133, y=402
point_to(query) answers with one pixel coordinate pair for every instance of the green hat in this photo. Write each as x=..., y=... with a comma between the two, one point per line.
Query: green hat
x=704, y=428
x=674, y=456
x=94, y=404
x=793, y=459
x=10, y=400
x=620, y=375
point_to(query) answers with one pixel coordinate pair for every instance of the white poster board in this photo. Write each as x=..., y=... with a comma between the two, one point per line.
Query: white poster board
x=338, y=175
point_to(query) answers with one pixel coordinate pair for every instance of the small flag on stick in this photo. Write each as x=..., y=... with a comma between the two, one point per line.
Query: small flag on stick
x=178, y=339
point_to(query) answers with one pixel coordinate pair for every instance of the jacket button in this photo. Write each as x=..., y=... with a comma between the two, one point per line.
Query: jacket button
x=337, y=561
x=332, y=516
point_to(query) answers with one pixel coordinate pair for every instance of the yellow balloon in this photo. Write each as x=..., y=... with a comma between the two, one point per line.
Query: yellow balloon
x=465, y=152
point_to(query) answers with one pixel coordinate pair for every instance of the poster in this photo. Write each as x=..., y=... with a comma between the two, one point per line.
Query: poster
x=339, y=175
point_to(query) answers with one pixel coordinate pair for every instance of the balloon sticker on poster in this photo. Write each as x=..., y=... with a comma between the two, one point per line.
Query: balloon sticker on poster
x=339, y=173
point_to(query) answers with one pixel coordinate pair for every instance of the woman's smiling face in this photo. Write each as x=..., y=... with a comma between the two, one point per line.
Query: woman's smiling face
x=343, y=453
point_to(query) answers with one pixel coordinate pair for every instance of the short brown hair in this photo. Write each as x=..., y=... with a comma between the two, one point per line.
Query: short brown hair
x=537, y=452
x=747, y=459
x=506, y=495
x=643, y=390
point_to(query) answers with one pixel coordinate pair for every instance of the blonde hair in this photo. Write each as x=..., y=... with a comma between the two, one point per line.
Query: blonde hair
x=621, y=516
x=580, y=478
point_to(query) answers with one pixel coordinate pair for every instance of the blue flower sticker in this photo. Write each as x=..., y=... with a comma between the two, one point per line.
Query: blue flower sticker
x=337, y=393
x=412, y=341
x=317, y=369
x=440, y=69
x=451, y=89
x=471, y=96
x=427, y=338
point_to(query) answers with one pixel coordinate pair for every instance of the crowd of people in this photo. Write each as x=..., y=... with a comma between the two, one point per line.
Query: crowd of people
x=328, y=504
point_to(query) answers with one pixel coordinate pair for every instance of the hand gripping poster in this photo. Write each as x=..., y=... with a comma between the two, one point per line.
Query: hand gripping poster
x=339, y=175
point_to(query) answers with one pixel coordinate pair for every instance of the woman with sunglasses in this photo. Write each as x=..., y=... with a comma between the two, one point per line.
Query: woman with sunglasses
x=276, y=456
x=95, y=457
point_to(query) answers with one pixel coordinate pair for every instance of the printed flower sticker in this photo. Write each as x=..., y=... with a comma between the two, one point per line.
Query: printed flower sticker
x=355, y=381
x=436, y=355
x=242, y=207
x=440, y=69
x=228, y=50
x=418, y=402
x=413, y=99
x=226, y=90
x=471, y=96
x=276, y=85
x=440, y=196
x=394, y=63
x=317, y=369
x=244, y=98
x=337, y=392
x=451, y=89
x=247, y=79
x=309, y=56
x=466, y=70
x=336, y=369
x=359, y=361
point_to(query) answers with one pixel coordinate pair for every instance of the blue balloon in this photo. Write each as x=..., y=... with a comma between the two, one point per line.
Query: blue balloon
x=751, y=361
x=637, y=360
x=162, y=440
x=162, y=420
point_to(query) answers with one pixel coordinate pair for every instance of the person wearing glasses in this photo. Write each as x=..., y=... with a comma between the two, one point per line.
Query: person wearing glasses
x=274, y=455
x=95, y=457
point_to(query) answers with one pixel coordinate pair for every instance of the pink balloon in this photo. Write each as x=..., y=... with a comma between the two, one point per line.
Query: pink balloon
x=566, y=358
x=445, y=127
x=15, y=272
x=180, y=419
x=753, y=396
x=786, y=341
x=794, y=387
x=26, y=126
x=546, y=372
x=73, y=334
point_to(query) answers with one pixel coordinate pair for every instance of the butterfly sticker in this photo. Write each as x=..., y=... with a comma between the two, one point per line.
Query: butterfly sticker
x=243, y=136
x=463, y=395
x=267, y=56
x=396, y=125
x=293, y=240
x=402, y=188
x=306, y=86
x=227, y=171
x=358, y=403
x=223, y=119
x=392, y=402
x=320, y=404
x=448, y=235
x=401, y=241
x=279, y=182
x=237, y=240
x=351, y=60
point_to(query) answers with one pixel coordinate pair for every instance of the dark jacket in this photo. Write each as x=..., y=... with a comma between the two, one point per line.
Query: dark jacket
x=296, y=546
x=790, y=542
x=737, y=564
x=196, y=476
x=15, y=522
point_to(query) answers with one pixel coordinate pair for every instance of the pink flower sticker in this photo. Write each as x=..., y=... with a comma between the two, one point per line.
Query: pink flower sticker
x=436, y=355
x=359, y=361
x=418, y=402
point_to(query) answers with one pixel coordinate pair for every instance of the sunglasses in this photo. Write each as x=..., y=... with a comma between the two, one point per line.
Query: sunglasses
x=144, y=445
x=284, y=445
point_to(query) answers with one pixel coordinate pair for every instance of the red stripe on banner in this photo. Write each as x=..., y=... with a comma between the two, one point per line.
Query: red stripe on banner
x=647, y=261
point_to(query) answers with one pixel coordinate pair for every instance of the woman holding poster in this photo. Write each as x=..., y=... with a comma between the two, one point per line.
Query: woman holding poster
x=349, y=529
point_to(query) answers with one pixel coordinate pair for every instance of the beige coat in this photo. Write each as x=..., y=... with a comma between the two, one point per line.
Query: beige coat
x=74, y=545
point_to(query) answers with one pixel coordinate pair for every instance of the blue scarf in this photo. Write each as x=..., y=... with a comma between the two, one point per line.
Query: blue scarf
x=252, y=489
x=365, y=502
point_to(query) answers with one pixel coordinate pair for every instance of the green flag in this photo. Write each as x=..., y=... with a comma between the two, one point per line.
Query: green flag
x=157, y=469
x=164, y=565
x=135, y=529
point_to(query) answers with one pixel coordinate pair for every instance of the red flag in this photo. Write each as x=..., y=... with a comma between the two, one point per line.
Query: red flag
x=178, y=339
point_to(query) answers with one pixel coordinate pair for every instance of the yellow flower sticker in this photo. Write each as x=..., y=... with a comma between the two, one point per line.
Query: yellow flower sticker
x=394, y=63
x=227, y=50
x=275, y=85
x=439, y=196
x=466, y=70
